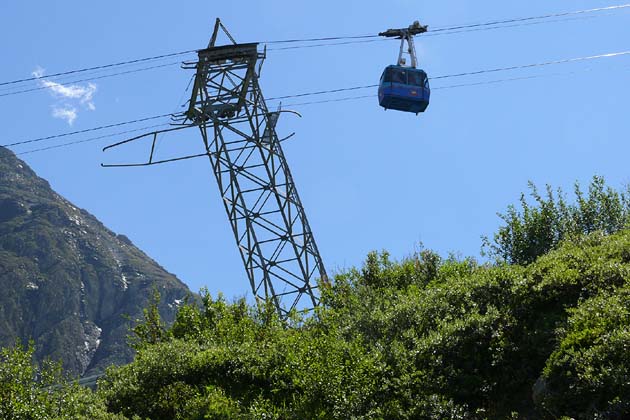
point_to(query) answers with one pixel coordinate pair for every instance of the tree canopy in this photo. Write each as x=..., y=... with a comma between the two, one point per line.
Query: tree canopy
x=541, y=334
x=419, y=338
x=540, y=226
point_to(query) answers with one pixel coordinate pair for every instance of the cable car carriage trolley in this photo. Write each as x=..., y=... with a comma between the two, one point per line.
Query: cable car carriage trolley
x=405, y=88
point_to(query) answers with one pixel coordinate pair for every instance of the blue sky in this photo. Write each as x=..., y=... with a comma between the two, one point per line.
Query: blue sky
x=369, y=179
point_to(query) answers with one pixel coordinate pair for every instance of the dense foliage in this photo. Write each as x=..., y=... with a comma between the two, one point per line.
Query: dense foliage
x=422, y=338
x=539, y=227
x=29, y=392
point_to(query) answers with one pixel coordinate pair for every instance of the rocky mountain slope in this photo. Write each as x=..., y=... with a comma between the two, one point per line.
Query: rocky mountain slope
x=68, y=282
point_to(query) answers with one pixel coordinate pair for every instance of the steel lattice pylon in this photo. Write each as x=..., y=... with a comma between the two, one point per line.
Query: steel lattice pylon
x=267, y=217
x=273, y=235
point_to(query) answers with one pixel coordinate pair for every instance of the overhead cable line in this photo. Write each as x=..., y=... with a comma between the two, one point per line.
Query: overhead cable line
x=365, y=38
x=505, y=26
x=175, y=111
x=87, y=130
x=91, y=139
x=297, y=47
x=530, y=18
x=92, y=74
x=324, y=101
x=97, y=129
x=53, y=85
x=348, y=98
x=471, y=73
x=328, y=38
x=526, y=66
x=468, y=26
x=367, y=41
x=104, y=66
x=448, y=30
x=460, y=85
x=321, y=92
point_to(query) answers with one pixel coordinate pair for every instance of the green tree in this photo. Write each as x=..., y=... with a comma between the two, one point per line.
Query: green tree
x=539, y=227
x=151, y=329
x=588, y=375
x=31, y=392
x=424, y=337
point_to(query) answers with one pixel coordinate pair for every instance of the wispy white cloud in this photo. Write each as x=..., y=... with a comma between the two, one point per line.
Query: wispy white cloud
x=67, y=113
x=39, y=72
x=83, y=93
x=79, y=94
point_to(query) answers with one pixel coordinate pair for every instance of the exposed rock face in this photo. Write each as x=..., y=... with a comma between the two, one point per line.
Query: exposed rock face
x=66, y=281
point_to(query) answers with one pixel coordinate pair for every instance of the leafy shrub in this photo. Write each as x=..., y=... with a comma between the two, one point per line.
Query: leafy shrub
x=30, y=392
x=588, y=375
x=420, y=338
x=536, y=229
x=424, y=337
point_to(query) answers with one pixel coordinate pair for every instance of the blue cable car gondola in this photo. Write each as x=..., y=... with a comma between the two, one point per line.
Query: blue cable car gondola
x=405, y=88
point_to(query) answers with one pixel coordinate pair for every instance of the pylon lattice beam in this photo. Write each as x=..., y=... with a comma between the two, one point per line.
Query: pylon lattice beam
x=239, y=136
x=267, y=218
